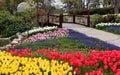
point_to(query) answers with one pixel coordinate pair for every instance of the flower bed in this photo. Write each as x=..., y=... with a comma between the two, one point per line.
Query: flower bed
x=45, y=36
x=110, y=27
x=94, y=63
x=90, y=41
x=62, y=56
x=7, y=42
x=31, y=66
x=74, y=41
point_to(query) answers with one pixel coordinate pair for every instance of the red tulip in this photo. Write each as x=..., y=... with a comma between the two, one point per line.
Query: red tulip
x=76, y=70
x=20, y=55
x=105, y=67
x=13, y=52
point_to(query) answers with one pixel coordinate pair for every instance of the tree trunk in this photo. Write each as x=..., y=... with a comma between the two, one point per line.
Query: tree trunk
x=116, y=6
x=88, y=4
x=8, y=4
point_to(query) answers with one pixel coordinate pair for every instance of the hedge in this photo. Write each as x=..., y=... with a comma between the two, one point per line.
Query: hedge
x=101, y=11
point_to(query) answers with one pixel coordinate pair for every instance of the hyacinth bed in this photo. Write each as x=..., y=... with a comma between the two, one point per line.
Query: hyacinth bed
x=60, y=52
x=65, y=40
x=109, y=27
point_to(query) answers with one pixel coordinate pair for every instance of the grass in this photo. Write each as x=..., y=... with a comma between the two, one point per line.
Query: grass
x=4, y=42
x=61, y=44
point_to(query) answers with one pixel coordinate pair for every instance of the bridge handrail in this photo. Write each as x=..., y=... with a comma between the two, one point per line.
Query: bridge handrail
x=61, y=18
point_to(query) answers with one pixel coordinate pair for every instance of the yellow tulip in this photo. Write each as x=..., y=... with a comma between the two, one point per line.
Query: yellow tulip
x=25, y=66
x=70, y=73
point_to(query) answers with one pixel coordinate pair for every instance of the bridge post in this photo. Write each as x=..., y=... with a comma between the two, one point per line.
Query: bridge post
x=37, y=18
x=60, y=20
x=48, y=19
x=73, y=18
x=88, y=20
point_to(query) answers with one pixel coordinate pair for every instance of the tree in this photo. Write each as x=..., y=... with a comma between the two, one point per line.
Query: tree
x=7, y=4
x=87, y=4
x=116, y=6
x=107, y=3
x=31, y=3
x=94, y=3
x=43, y=6
x=2, y=5
x=73, y=4
x=97, y=3
x=12, y=3
x=114, y=3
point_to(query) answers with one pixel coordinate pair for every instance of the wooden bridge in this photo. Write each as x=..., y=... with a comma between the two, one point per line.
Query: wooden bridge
x=58, y=20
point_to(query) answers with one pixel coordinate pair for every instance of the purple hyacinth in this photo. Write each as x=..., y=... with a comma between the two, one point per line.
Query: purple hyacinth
x=89, y=41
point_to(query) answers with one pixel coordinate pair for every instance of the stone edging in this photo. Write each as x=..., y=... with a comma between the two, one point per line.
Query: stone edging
x=14, y=41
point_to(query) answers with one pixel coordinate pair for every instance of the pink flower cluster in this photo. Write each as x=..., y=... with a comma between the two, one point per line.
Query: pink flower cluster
x=100, y=60
x=48, y=35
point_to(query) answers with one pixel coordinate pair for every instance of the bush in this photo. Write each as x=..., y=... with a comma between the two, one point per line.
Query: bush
x=110, y=18
x=78, y=11
x=93, y=19
x=26, y=15
x=117, y=19
x=101, y=11
x=12, y=24
x=3, y=16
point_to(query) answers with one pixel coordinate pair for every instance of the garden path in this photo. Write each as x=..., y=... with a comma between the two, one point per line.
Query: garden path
x=99, y=34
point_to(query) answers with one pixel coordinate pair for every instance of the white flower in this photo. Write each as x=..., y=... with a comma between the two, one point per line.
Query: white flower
x=108, y=24
x=35, y=30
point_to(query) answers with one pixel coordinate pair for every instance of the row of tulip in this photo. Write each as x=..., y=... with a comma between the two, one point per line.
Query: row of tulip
x=108, y=24
x=39, y=29
x=95, y=63
x=14, y=65
x=109, y=27
x=45, y=36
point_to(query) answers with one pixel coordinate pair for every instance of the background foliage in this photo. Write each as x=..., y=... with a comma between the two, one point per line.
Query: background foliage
x=11, y=24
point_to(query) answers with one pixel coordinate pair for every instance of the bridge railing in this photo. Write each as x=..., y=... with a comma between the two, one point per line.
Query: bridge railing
x=76, y=19
x=83, y=20
x=57, y=20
